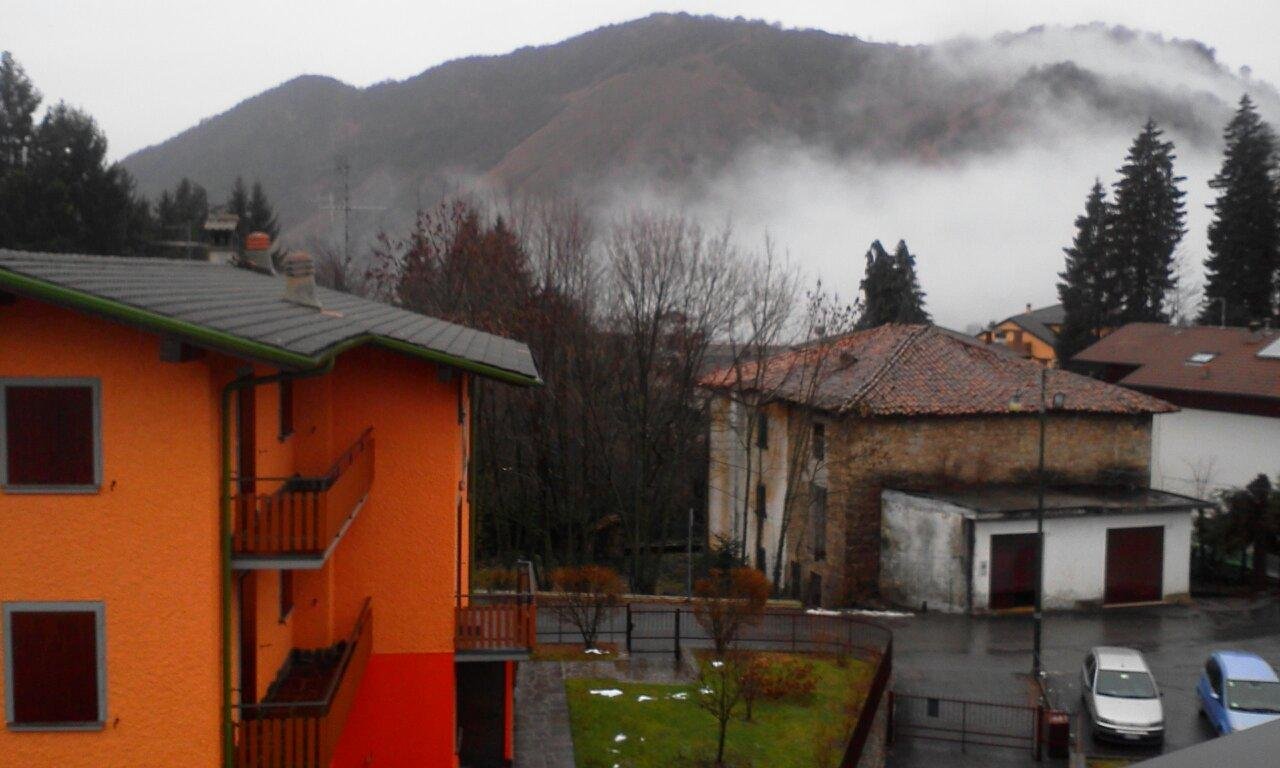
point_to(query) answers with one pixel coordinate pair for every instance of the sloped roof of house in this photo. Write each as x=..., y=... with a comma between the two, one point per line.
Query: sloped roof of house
x=244, y=313
x=1037, y=321
x=919, y=370
x=1226, y=361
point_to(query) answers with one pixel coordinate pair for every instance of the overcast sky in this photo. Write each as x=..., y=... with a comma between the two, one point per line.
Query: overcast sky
x=147, y=69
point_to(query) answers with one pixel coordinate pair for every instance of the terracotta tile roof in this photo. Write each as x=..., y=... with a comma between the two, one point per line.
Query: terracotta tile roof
x=918, y=370
x=1161, y=355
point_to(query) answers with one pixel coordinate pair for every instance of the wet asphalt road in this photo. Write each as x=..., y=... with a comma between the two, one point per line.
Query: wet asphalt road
x=989, y=658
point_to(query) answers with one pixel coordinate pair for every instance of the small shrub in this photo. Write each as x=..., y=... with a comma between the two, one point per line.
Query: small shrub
x=496, y=579
x=589, y=591
x=776, y=677
x=728, y=601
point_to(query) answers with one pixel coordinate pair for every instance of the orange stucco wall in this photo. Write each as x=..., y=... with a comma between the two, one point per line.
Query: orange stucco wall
x=145, y=545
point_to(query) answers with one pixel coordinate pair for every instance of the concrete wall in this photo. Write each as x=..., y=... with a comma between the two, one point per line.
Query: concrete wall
x=1197, y=452
x=1076, y=553
x=924, y=553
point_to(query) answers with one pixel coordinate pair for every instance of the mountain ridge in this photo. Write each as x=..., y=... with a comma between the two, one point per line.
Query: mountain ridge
x=675, y=98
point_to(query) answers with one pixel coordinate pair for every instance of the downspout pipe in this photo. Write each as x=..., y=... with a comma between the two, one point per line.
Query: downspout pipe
x=224, y=529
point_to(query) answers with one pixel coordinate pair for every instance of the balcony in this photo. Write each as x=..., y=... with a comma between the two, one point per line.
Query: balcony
x=298, y=524
x=299, y=722
x=498, y=626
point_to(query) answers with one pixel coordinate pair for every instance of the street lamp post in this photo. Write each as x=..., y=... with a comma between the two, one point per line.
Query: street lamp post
x=1037, y=615
x=1059, y=399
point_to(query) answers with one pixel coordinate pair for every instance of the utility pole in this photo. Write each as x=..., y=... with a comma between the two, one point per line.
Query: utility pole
x=343, y=168
x=689, y=557
x=1038, y=615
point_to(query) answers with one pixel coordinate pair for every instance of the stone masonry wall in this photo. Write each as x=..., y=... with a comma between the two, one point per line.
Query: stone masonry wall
x=867, y=455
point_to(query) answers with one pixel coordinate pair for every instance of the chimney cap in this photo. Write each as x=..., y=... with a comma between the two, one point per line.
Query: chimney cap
x=257, y=241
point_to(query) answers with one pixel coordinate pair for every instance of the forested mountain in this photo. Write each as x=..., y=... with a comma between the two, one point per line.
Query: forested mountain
x=671, y=99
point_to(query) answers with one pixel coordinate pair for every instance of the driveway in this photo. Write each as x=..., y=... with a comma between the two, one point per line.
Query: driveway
x=987, y=658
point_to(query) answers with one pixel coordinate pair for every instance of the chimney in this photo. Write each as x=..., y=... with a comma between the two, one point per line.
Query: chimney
x=300, y=280
x=257, y=252
x=1028, y=307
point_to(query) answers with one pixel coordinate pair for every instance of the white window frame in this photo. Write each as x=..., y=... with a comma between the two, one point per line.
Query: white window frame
x=98, y=609
x=95, y=388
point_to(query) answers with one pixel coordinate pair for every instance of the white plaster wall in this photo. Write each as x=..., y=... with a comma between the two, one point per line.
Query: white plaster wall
x=1227, y=450
x=1076, y=555
x=923, y=552
x=737, y=469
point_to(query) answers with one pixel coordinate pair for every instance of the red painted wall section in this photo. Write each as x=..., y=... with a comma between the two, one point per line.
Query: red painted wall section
x=402, y=715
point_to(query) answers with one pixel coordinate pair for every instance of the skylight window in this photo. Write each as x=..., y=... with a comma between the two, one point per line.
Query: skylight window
x=1201, y=358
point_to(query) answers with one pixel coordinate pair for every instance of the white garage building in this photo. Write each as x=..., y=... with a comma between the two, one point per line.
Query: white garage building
x=973, y=549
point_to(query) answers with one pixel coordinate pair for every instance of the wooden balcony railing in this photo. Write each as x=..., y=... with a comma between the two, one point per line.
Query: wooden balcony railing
x=496, y=626
x=498, y=623
x=292, y=734
x=301, y=518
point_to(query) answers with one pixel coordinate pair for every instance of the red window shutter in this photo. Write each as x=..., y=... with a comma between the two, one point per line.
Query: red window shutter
x=49, y=432
x=55, y=667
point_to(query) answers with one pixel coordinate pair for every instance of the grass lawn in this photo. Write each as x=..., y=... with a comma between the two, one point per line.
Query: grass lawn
x=670, y=729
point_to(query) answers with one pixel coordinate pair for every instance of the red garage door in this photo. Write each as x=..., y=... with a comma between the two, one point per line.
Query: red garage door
x=1013, y=570
x=1135, y=565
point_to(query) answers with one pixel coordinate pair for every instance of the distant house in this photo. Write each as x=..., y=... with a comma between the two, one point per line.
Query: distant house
x=807, y=451
x=1031, y=334
x=1226, y=383
x=220, y=235
x=206, y=559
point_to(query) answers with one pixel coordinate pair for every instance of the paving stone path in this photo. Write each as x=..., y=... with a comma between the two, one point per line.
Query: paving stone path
x=543, y=737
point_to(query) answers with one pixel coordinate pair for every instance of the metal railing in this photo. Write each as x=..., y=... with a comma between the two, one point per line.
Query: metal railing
x=966, y=722
x=304, y=514
x=305, y=734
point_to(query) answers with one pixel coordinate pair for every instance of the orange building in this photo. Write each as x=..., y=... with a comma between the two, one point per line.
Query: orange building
x=236, y=523
x=1032, y=334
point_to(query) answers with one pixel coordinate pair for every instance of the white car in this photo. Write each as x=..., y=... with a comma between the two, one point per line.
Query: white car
x=1121, y=696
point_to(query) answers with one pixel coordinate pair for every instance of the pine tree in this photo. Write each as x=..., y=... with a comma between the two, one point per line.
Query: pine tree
x=18, y=102
x=1244, y=236
x=262, y=217
x=183, y=211
x=890, y=288
x=1146, y=226
x=1087, y=290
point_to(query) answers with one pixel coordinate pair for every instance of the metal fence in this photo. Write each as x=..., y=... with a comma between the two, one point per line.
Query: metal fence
x=966, y=722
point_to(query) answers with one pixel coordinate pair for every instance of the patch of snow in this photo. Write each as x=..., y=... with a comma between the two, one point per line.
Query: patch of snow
x=681, y=696
x=859, y=612
x=717, y=663
x=705, y=691
x=596, y=651
x=620, y=738
x=642, y=697
x=608, y=693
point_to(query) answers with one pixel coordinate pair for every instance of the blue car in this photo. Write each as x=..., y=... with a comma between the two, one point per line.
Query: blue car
x=1238, y=690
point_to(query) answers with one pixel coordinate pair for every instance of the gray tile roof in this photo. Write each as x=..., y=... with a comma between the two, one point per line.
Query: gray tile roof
x=244, y=312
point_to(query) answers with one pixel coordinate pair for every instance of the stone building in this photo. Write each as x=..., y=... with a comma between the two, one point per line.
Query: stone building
x=803, y=445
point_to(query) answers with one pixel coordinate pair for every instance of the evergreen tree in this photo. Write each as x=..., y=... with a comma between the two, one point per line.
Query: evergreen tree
x=182, y=212
x=1244, y=236
x=890, y=289
x=1087, y=290
x=18, y=102
x=1146, y=225
x=57, y=190
x=262, y=217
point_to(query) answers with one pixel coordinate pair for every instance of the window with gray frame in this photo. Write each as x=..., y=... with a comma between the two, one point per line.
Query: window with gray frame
x=55, y=671
x=50, y=435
